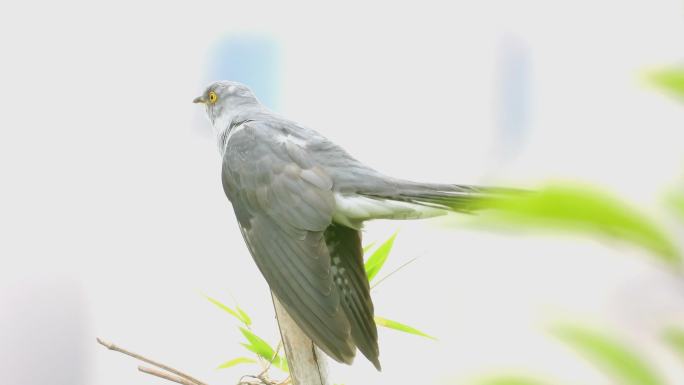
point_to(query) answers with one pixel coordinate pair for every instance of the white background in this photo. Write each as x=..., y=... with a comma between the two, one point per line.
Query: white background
x=113, y=222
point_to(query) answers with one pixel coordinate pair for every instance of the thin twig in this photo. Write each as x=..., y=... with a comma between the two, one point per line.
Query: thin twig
x=270, y=362
x=166, y=376
x=257, y=380
x=393, y=271
x=111, y=346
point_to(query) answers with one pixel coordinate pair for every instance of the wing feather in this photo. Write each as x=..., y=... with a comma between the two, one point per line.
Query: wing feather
x=350, y=278
x=283, y=212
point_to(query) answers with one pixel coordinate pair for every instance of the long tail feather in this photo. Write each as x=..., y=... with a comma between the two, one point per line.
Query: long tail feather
x=458, y=198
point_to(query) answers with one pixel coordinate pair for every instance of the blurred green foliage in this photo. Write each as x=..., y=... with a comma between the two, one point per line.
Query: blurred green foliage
x=670, y=80
x=617, y=360
x=676, y=201
x=613, y=357
x=586, y=210
x=580, y=209
x=674, y=337
x=511, y=380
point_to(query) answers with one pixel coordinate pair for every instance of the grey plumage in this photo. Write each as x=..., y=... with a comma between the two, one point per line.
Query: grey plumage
x=300, y=201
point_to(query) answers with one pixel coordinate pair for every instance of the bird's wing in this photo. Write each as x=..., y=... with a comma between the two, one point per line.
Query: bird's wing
x=284, y=203
x=350, y=278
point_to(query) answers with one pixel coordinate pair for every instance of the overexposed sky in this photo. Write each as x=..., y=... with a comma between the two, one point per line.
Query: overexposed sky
x=114, y=221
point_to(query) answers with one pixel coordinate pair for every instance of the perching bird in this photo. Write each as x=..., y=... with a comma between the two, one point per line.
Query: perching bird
x=301, y=201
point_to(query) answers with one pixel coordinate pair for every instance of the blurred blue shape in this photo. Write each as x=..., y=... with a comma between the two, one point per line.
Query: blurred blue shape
x=514, y=95
x=252, y=60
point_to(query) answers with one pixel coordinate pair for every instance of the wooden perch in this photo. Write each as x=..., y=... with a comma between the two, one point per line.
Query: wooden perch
x=306, y=362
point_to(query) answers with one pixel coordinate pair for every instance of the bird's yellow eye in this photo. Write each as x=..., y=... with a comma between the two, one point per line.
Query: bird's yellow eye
x=212, y=97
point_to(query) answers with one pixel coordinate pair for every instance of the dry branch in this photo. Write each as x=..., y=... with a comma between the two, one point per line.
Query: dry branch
x=306, y=363
x=180, y=377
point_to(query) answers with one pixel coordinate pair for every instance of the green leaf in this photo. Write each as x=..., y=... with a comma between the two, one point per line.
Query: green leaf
x=379, y=257
x=676, y=201
x=236, y=361
x=580, y=209
x=671, y=80
x=674, y=337
x=243, y=316
x=259, y=346
x=262, y=348
x=610, y=355
x=239, y=314
x=380, y=321
x=225, y=308
x=511, y=380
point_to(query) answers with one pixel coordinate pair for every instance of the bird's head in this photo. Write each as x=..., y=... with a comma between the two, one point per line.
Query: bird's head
x=224, y=99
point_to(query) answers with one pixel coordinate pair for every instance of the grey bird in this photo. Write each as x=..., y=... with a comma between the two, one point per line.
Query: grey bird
x=301, y=201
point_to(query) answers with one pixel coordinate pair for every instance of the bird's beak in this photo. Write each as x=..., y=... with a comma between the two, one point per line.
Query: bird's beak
x=199, y=99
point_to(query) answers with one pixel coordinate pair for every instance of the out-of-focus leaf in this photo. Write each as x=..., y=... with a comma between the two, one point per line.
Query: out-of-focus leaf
x=676, y=201
x=262, y=348
x=380, y=321
x=674, y=337
x=379, y=257
x=511, y=380
x=610, y=355
x=243, y=316
x=230, y=311
x=585, y=210
x=236, y=361
x=671, y=80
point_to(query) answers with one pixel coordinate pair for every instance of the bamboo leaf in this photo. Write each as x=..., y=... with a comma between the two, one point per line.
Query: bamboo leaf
x=379, y=257
x=263, y=349
x=676, y=201
x=259, y=346
x=236, y=361
x=243, y=316
x=380, y=321
x=611, y=356
x=674, y=337
x=511, y=380
x=584, y=210
x=226, y=309
x=671, y=80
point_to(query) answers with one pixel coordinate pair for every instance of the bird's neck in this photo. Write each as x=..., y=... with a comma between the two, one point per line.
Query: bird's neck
x=225, y=124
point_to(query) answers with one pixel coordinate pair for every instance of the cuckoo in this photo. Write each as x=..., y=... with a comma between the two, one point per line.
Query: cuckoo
x=301, y=201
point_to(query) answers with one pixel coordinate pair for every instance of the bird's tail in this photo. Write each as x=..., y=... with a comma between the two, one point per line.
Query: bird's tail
x=441, y=197
x=394, y=199
x=450, y=197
